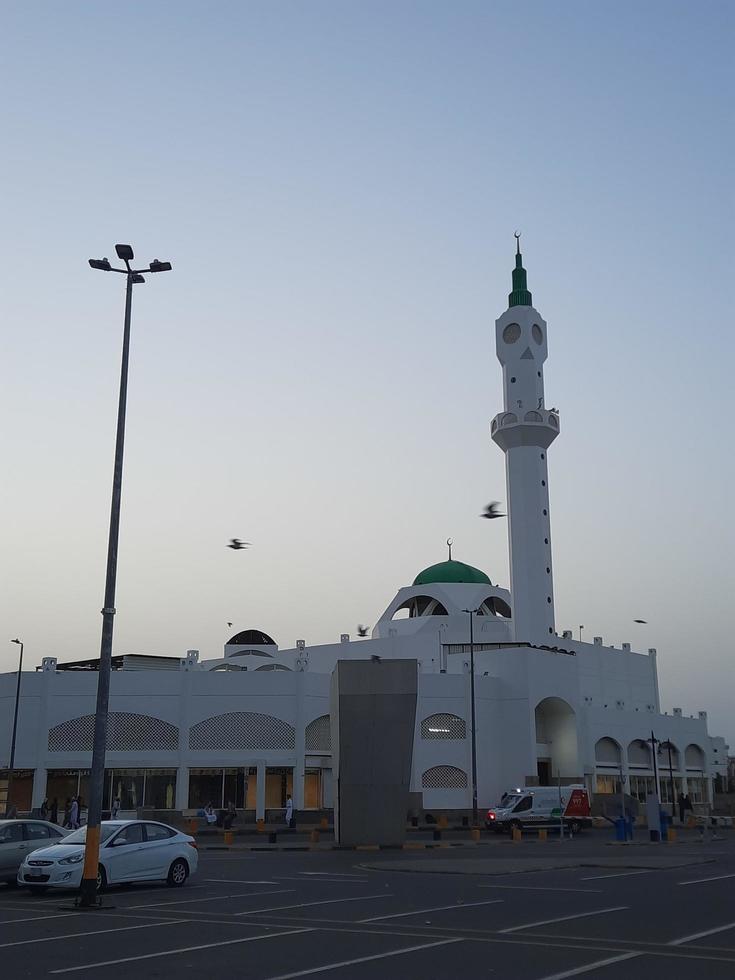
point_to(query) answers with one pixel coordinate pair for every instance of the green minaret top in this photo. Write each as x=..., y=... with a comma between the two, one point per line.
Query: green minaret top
x=521, y=295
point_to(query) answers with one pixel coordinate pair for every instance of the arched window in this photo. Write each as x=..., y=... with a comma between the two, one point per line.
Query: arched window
x=694, y=758
x=242, y=730
x=533, y=416
x=443, y=726
x=444, y=777
x=126, y=732
x=639, y=754
x=607, y=752
x=319, y=735
x=272, y=667
x=421, y=605
x=509, y=418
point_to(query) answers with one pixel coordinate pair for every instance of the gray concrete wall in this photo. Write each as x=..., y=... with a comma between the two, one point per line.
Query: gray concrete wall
x=373, y=715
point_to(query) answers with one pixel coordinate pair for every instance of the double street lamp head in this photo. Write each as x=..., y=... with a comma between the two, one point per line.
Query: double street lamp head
x=125, y=254
x=17, y=641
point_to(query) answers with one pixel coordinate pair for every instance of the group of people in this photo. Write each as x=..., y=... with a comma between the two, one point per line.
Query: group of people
x=71, y=818
x=227, y=817
x=685, y=806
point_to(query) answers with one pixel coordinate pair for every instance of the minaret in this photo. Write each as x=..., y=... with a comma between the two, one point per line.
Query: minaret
x=524, y=431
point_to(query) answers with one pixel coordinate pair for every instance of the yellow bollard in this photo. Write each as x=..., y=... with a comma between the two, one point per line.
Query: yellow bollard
x=314, y=837
x=442, y=823
x=324, y=823
x=475, y=834
x=260, y=824
x=229, y=837
x=543, y=834
x=192, y=825
x=670, y=835
x=516, y=835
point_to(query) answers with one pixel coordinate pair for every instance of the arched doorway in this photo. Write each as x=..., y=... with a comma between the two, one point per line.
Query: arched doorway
x=556, y=741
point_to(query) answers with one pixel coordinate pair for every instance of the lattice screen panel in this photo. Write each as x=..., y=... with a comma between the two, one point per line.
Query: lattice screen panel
x=443, y=726
x=242, y=730
x=444, y=777
x=319, y=735
x=126, y=732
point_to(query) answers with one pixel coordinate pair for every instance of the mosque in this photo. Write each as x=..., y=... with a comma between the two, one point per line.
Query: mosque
x=546, y=707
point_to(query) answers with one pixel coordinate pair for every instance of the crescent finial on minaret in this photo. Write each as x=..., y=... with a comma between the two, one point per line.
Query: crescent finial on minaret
x=517, y=236
x=450, y=542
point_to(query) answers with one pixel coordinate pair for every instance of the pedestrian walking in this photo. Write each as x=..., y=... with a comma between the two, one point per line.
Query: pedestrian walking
x=230, y=815
x=67, y=814
x=289, y=812
x=54, y=813
x=115, y=808
x=682, y=807
x=44, y=810
x=74, y=814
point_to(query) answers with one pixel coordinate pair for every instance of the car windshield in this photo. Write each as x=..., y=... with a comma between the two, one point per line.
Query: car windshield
x=80, y=836
x=509, y=799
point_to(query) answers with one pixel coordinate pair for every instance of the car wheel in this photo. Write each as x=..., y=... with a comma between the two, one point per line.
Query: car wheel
x=177, y=873
x=101, y=879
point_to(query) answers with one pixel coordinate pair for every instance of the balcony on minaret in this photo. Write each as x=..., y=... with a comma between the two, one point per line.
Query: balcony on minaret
x=535, y=427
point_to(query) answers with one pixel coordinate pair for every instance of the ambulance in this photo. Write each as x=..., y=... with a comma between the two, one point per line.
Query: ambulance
x=541, y=806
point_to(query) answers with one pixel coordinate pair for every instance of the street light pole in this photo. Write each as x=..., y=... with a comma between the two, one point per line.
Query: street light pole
x=88, y=891
x=671, y=778
x=11, y=764
x=471, y=613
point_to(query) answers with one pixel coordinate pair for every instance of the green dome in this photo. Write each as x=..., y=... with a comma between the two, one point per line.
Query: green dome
x=452, y=571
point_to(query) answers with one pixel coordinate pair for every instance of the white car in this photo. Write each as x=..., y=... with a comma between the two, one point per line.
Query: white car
x=18, y=838
x=130, y=850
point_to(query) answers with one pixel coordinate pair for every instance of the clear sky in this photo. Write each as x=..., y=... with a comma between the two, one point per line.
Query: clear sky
x=337, y=185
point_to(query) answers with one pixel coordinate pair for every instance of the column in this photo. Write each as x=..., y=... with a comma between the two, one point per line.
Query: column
x=300, y=745
x=182, y=788
x=260, y=790
x=39, y=788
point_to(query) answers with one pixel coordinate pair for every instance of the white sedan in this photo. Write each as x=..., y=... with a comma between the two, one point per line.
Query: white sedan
x=130, y=850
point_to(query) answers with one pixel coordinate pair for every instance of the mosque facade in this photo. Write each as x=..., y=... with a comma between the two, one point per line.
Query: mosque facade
x=252, y=726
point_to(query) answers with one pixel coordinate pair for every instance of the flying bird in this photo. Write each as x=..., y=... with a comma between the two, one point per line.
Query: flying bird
x=237, y=545
x=362, y=630
x=492, y=510
x=229, y=624
x=640, y=621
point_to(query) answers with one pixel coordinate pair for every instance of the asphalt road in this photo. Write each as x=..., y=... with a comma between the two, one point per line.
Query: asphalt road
x=651, y=911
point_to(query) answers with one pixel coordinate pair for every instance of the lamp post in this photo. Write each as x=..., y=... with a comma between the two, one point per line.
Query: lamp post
x=88, y=892
x=11, y=764
x=667, y=744
x=473, y=742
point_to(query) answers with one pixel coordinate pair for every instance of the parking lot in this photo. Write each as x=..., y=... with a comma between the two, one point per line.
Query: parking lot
x=645, y=911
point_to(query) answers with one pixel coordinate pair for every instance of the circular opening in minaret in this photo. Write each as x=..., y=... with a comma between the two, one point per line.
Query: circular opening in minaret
x=512, y=381
x=537, y=333
x=548, y=570
x=544, y=513
x=511, y=333
x=550, y=630
x=543, y=483
x=538, y=373
x=548, y=598
x=542, y=456
x=546, y=540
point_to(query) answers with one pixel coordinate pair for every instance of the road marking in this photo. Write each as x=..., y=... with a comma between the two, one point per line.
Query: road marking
x=333, y=874
x=565, y=918
x=545, y=888
x=174, y=952
x=701, y=935
x=701, y=881
x=211, y=898
x=35, y=918
x=305, y=905
x=239, y=881
x=363, y=959
x=438, y=908
x=591, y=966
x=322, y=881
x=623, y=874
x=96, y=932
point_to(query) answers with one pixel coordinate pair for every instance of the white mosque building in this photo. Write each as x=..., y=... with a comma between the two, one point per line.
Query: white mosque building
x=187, y=731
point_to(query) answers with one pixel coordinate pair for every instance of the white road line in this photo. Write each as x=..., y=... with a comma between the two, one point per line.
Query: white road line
x=565, y=918
x=701, y=881
x=362, y=959
x=438, y=908
x=211, y=898
x=591, y=966
x=174, y=952
x=35, y=918
x=545, y=888
x=333, y=874
x=622, y=874
x=239, y=881
x=322, y=881
x=306, y=905
x=701, y=935
x=95, y=932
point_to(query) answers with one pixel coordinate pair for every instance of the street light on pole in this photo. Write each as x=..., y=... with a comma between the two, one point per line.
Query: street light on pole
x=11, y=764
x=471, y=613
x=88, y=892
